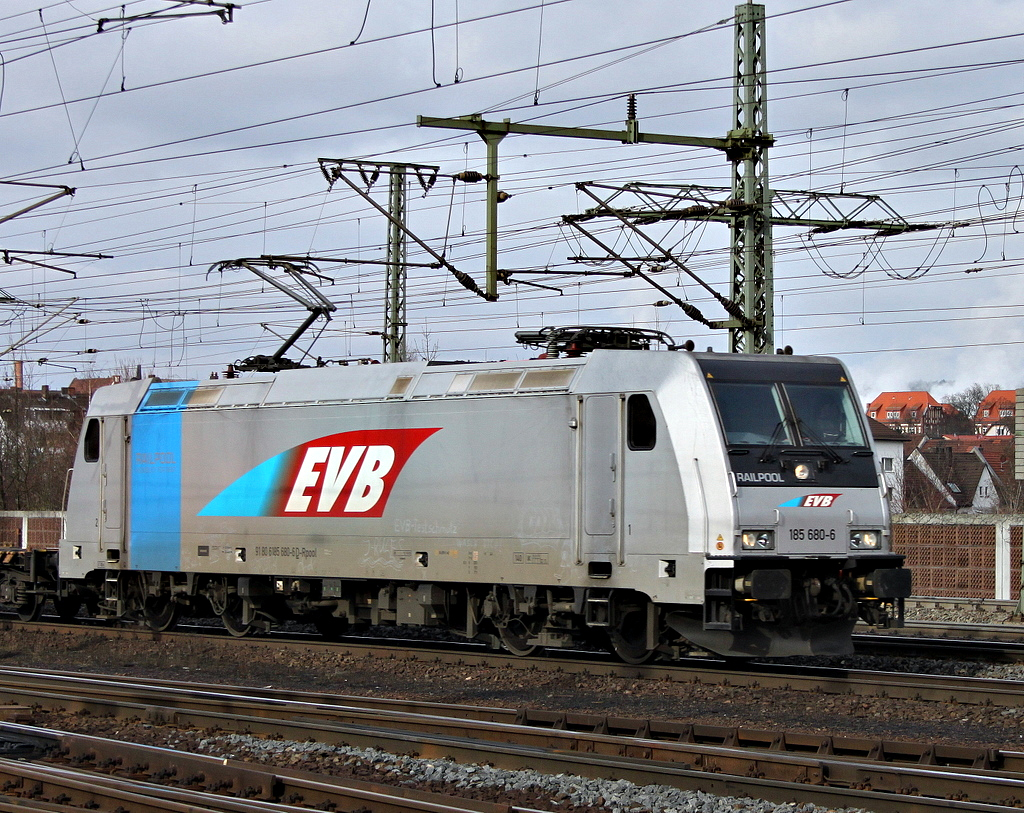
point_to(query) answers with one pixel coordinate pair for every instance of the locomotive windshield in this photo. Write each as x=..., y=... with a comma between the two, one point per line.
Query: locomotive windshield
x=752, y=413
x=788, y=414
x=826, y=414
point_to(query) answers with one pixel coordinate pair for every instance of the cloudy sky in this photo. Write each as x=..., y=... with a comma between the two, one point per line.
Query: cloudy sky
x=189, y=142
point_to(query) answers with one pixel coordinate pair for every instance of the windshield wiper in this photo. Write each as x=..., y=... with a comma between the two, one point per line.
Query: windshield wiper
x=773, y=442
x=803, y=430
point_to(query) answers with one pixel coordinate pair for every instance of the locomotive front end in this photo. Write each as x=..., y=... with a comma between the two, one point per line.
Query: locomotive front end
x=811, y=551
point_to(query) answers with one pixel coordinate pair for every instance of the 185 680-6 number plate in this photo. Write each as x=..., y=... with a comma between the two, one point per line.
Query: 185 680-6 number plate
x=812, y=534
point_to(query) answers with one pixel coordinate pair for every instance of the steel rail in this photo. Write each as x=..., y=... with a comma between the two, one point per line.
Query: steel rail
x=770, y=773
x=984, y=604
x=198, y=770
x=947, y=643
x=937, y=629
x=857, y=682
x=141, y=778
x=313, y=705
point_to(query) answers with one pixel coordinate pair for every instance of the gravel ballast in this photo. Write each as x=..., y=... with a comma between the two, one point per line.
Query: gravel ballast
x=525, y=788
x=210, y=660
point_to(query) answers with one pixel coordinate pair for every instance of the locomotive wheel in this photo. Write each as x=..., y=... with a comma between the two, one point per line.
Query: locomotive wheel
x=330, y=627
x=516, y=628
x=161, y=613
x=628, y=651
x=515, y=635
x=67, y=608
x=32, y=608
x=231, y=618
x=628, y=638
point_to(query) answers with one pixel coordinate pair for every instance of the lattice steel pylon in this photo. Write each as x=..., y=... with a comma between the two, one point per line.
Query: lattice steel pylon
x=750, y=255
x=399, y=234
x=395, y=312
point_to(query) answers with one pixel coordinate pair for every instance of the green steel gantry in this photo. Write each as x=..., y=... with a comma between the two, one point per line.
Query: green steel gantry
x=750, y=207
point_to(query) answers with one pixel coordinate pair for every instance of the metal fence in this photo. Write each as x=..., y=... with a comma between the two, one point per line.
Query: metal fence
x=31, y=530
x=962, y=555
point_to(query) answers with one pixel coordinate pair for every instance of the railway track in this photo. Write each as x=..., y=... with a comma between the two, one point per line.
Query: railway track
x=1002, y=642
x=775, y=765
x=994, y=642
x=859, y=682
x=959, y=642
x=61, y=771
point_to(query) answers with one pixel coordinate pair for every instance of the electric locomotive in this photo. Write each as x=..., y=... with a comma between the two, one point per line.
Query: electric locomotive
x=651, y=501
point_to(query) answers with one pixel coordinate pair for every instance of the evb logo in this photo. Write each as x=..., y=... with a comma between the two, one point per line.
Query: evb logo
x=349, y=474
x=812, y=501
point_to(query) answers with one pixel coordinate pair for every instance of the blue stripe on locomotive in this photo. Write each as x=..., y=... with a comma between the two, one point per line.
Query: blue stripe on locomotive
x=252, y=494
x=156, y=481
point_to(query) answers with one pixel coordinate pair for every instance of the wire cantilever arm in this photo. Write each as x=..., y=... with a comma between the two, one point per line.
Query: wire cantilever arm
x=732, y=308
x=224, y=11
x=60, y=193
x=690, y=310
x=38, y=331
x=464, y=279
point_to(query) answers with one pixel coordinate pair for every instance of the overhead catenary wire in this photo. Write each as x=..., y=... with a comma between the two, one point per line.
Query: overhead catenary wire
x=144, y=245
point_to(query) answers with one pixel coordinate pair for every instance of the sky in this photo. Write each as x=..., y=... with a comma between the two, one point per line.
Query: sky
x=190, y=141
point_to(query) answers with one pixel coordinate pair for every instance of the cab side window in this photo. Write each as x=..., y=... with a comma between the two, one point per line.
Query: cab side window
x=91, y=448
x=641, y=425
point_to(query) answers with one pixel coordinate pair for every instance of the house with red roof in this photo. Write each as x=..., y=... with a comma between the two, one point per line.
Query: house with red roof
x=996, y=412
x=88, y=386
x=952, y=462
x=913, y=413
x=996, y=449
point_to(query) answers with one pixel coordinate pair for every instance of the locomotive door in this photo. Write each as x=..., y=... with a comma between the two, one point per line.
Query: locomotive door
x=600, y=462
x=112, y=481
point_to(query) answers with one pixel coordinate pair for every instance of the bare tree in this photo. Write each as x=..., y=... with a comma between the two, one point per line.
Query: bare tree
x=967, y=400
x=428, y=350
x=38, y=435
x=128, y=370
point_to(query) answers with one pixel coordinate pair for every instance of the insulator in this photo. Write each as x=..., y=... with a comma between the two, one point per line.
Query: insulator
x=469, y=176
x=631, y=106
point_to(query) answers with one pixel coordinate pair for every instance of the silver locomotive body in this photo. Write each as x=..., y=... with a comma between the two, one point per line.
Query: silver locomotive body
x=653, y=501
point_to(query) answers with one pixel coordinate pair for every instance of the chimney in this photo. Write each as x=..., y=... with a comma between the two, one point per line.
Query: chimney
x=19, y=374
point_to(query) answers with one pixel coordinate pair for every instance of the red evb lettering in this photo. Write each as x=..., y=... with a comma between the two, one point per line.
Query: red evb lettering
x=819, y=500
x=349, y=474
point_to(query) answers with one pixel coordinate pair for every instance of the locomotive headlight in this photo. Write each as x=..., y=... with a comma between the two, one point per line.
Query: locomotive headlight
x=758, y=540
x=802, y=471
x=864, y=540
